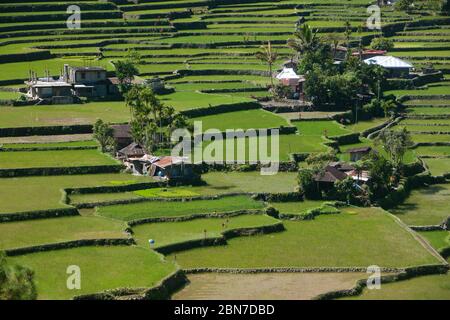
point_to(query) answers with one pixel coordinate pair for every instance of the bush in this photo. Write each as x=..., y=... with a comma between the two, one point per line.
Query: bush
x=39, y=214
x=320, y=159
x=382, y=43
x=403, y=5
x=271, y=211
x=280, y=92
x=16, y=282
x=306, y=184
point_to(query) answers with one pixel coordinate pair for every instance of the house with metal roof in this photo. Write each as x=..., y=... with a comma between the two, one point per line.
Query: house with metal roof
x=396, y=67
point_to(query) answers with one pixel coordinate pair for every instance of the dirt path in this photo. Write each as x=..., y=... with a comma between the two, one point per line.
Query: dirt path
x=265, y=286
x=419, y=239
x=46, y=139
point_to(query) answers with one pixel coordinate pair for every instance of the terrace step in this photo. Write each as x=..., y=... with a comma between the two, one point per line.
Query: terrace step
x=47, y=7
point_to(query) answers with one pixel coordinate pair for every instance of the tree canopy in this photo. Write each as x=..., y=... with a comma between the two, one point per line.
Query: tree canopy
x=152, y=121
x=16, y=282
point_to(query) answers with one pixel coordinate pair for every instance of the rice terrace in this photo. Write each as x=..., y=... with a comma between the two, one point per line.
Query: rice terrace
x=325, y=150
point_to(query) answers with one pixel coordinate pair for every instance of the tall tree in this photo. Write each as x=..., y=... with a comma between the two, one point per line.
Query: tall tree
x=103, y=133
x=380, y=171
x=307, y=185
x=388, y=106
x=306, y=39
x=147, y=113
x=348, y=33
x=335, y=40
x=267, y=55
x=134, y=56
x=126, y=70
x=156, y=107
x=379, y=73
x=396, y=144
x=149, y=137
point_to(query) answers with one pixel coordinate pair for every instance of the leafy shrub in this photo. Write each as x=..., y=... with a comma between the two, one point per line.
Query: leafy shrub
x=16, y=282
x=382, y=43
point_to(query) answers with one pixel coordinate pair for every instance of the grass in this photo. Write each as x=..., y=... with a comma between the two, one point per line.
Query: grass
x=320, y=128
x=424, y=129
x=246, y=119
x=193, y=100
x=221, y=182
x=101, y=197
x=438, y=166
x=431, y=102
x=38, y=193
x=375, y=238
x=55, y=115
x=428, y=110
x=435, y=287
x=9, y=95
x=360, y=237
x=364, y=125
x=66, y=158
x=429, y=138
x=112, y=112
x=432, y=89
x=287, y=144
x=189, y=87
x=166, y=193
x=296, y=207
x=416, y=210
x=37, y=232
x=438, y=239
x=433, y=151
x=215, y=183
x=102, y=268
x=175, y=232
x=153, y=209
x=308, y=115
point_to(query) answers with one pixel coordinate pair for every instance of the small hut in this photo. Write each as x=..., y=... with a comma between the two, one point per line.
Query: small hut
x=357, y=154
x=289, y=77
x=171, y=168
x=133, y=150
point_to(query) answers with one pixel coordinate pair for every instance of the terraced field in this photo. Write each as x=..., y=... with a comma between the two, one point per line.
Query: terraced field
x=205, y=51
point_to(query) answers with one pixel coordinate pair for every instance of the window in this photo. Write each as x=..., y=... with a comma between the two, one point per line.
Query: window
x=83, y=75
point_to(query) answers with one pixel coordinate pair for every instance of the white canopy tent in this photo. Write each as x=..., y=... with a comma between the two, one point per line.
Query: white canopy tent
x=389, y=62
x=288, y=73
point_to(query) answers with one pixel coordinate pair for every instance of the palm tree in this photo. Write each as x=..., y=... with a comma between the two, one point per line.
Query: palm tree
x=359, y=167
x=266, y=54
x=379, y=73
x=305, y=40
x=154, y=106
x=387, y=106
x=335, y=39
x=348, y=33
x=149, y=137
